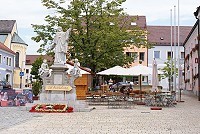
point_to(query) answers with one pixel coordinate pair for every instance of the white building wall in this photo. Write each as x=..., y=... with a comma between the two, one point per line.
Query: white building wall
x=163, y=58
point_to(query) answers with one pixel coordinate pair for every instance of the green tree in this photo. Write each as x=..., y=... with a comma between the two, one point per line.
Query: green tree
x=36, y=87
x=35, y=66
x=99, y=33
x=168, y=71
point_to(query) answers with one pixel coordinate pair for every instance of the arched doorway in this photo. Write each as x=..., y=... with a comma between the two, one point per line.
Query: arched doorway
x=8, y=78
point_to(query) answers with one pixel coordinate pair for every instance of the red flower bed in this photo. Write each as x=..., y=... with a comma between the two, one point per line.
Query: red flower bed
x=51, y=108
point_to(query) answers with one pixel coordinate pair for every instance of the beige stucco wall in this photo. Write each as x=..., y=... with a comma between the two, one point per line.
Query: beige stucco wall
x=138, y=50
x=8, y=39
x=191, y=67
x=21, y=48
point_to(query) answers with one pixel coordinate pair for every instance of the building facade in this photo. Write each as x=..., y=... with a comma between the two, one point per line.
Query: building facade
x=30, y=59
x=140, y=53
x=192, y=56
x=10, y=38
x=7, y=57
x=162, y=49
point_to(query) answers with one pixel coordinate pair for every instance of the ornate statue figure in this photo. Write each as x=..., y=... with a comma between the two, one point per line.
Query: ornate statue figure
x=75, y=73
x=44, y=69
x=61, y=45
x=76, y=70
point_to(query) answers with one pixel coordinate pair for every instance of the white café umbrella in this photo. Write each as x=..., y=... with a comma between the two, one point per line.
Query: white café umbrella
x=154, y=76
x=139, y=70
x=116, y=70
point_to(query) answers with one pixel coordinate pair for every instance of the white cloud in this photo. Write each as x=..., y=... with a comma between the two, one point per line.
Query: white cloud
x=157, y=12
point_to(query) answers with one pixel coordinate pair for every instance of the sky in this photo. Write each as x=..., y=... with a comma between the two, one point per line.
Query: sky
x=157, y=12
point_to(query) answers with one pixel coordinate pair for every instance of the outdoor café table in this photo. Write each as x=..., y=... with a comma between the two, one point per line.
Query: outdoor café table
x=164, y=99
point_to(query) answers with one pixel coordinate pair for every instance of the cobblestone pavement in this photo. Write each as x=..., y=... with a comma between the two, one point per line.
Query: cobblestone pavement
x=184, y=118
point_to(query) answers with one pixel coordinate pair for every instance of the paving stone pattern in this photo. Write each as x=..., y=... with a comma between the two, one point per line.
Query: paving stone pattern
x=184, y=118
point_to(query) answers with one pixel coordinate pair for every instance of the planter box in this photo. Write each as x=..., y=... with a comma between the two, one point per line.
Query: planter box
x=4, y=103
x=156, y=108
x=35, y=97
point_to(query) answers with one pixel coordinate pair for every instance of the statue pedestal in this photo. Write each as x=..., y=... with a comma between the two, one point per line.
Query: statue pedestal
x=59, y=88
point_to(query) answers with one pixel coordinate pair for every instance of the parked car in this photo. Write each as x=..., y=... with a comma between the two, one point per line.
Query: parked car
x=117, y=86
x=143, y=83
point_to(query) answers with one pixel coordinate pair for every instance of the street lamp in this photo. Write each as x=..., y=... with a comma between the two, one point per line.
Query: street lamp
x=179, y=52
x=175, y=48
x=171, y=35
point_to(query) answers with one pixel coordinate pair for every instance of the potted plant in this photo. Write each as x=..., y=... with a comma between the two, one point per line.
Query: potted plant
x=37, y=86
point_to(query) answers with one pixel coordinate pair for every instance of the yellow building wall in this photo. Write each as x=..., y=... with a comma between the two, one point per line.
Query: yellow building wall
x=21, y=48
x=137, y=50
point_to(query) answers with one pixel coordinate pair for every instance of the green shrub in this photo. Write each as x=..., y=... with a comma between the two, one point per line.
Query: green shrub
x=37, y=86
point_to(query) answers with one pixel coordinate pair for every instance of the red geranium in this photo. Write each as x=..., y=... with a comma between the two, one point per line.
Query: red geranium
x=69, y=109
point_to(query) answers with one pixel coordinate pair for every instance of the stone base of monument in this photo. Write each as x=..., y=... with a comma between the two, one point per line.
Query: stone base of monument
x=27, y=107
x=56, y=98
x=79, y=106
x=59, y=88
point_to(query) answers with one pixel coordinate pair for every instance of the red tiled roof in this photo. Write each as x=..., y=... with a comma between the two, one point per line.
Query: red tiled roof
x=161, y=35
x=127, y=19
x=31, y=58
x=139, y=20
x=5, y=48
x=83, y=68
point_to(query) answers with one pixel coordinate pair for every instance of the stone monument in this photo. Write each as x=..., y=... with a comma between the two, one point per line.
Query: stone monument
x=58, y=85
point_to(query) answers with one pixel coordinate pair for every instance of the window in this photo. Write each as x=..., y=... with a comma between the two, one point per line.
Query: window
x=8, y=78
x=141, y=56
x=135, y=79
x=131, y=54
x=17, y=59
x=135, y=55
x=133, y=24
x=182, y=55
x=27, y=71
x=8, y=61
x=157, y=54
x=111, y=24
x=169, y=55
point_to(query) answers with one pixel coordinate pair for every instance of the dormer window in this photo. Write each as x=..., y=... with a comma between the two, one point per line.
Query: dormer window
x=133, y=24
x=111, y=24
x=161, y=38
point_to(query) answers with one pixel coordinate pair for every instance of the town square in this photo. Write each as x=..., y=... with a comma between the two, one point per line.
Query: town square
x=103, y=67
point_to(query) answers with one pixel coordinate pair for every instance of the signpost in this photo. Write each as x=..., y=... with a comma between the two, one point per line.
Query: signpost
x=21, y=74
